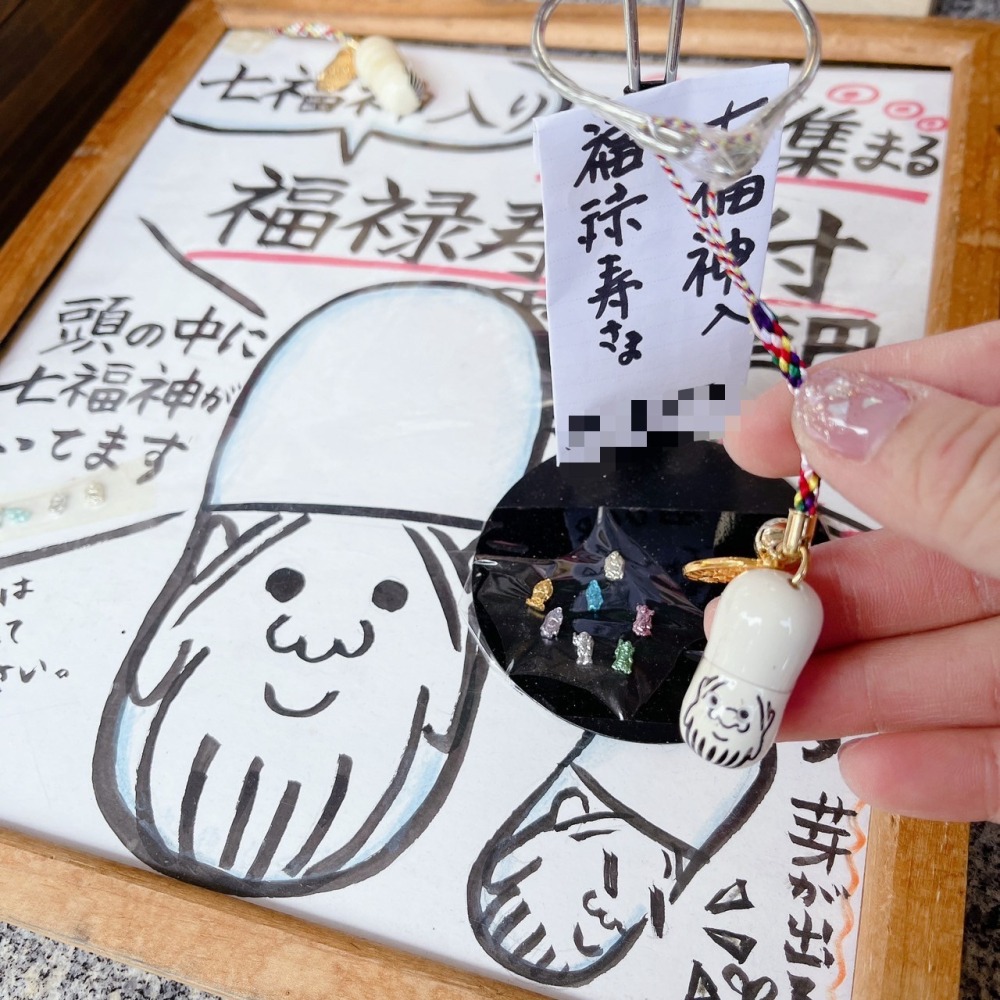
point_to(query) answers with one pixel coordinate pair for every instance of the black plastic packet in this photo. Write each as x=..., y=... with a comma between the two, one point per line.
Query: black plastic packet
x=659, y=507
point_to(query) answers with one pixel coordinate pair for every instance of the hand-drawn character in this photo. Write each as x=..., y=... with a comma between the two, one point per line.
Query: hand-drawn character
x=728, y=721
x=493, y=110
x=294, y=709
x=566, y=886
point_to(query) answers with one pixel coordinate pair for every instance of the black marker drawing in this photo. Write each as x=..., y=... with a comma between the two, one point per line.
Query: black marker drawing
x=199, y=272
x=733, y=897
x=490, y=114
x=563, y=890
x=294, y=709
x=739, y=946
x=47, y=551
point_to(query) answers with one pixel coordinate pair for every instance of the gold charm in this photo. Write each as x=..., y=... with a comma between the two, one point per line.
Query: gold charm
x=339, y=73
x=721, y=569
x=540, y=594
x=782, y=543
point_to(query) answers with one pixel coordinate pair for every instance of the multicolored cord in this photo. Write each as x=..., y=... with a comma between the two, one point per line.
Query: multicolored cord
x=765, y=324
x=313, y=29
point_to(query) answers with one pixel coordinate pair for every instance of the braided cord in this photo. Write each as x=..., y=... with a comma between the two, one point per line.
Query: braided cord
x=765, y=324
x=313, y=29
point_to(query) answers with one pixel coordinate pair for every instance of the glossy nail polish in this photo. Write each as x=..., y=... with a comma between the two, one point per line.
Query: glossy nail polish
x=849, y=413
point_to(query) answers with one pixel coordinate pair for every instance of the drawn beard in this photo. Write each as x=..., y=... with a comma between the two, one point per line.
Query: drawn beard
x=233, y=762
x=706, y=743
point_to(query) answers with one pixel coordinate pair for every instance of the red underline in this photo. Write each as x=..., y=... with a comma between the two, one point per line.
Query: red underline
x=822, y=306
x=371, y=265
x=442, y=270
x=903, y=194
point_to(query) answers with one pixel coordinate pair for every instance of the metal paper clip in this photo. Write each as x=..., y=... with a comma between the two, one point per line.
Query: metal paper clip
x=632, y=45
x=714, y=155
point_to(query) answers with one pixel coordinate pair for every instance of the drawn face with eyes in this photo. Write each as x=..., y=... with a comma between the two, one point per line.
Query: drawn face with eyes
x=285, y=584
x=569, y=894
x=322, y=619
x=281, y=649
x=727, y=721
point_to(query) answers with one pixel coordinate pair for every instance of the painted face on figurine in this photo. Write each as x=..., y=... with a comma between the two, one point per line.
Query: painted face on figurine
x=728, y=721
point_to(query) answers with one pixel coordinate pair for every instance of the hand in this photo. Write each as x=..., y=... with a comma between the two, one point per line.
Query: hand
x=911, y=645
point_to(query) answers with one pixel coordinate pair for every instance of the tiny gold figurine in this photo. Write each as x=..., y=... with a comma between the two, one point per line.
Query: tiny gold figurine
x=541, y=593
x=340, y=72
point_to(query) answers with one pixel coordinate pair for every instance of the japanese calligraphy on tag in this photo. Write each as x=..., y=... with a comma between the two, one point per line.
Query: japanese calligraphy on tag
x=646, y=331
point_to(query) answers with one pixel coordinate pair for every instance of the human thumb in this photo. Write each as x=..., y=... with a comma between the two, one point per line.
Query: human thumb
x=918, y=460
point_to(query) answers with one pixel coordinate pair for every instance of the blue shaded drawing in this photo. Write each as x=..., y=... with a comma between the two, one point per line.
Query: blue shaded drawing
x=295, y=707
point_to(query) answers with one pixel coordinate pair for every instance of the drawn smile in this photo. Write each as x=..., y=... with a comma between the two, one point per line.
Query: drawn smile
x=740, y=725
x=271, y=700
x=337, y=649
x=587, y=950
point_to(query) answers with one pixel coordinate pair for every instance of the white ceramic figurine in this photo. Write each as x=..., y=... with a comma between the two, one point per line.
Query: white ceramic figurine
x=381, y=69
x=763, y=633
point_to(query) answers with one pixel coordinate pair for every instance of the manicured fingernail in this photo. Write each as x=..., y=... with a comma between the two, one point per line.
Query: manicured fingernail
x=848, y=412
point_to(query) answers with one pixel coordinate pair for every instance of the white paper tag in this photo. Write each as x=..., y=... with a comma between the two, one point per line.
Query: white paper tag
x=646, y=331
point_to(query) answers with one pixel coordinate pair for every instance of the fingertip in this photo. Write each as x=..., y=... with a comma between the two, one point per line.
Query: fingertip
x=913, y=458
x=760, y=438
x=949, y=775
x=710, y=610
x=873, y=770
x=847, y=758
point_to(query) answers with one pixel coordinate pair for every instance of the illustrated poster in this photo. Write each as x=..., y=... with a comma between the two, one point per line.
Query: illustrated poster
x=248, y=439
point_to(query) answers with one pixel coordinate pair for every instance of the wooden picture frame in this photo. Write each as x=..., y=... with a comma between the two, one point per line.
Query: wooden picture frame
x=910, y=940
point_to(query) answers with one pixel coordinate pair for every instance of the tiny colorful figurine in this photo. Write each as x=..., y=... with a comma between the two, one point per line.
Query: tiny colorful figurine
x=58, y=504
x=584, y=643
x=94, y=494
x=541, y=593
x=553, y=622
x=14, y=515
x=624, y=652
x=614, y=566
x=381, y=69
x=595, y=599
x=643, y=624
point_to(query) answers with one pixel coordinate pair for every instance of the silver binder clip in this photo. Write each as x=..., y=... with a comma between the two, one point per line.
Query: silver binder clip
x=635, y=82
x=712, y=154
